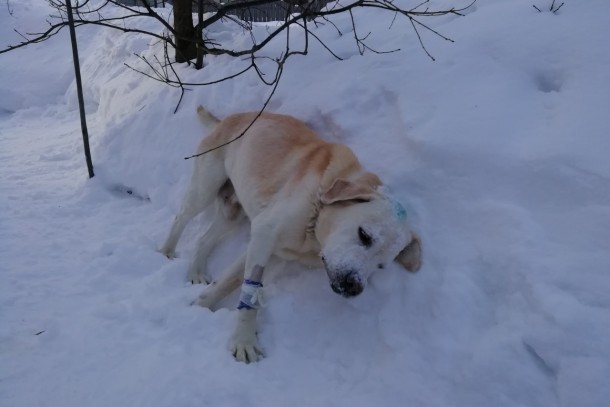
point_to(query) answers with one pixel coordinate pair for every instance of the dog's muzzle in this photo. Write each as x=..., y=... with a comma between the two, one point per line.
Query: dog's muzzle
x=347, y=285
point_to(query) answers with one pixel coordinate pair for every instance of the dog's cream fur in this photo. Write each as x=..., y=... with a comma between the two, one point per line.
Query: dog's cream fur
x=305, y=199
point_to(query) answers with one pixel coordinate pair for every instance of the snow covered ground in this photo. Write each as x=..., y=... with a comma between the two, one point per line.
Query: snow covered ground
x=499, y=151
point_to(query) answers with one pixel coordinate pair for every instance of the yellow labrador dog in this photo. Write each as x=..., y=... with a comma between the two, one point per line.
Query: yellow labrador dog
x=305, y=199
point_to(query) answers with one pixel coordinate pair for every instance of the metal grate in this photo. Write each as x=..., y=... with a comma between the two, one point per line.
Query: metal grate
x=275, y=11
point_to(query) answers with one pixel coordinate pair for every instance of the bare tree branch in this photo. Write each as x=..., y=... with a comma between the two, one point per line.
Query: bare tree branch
x=8, y=7
x=276, y=81
x=298, y=13
x=85, y=15
x=552, y=8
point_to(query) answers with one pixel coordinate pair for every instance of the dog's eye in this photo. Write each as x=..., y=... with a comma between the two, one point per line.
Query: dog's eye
x=365, y=238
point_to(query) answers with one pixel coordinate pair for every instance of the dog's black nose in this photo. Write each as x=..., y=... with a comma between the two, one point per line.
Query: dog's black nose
x=348, y=285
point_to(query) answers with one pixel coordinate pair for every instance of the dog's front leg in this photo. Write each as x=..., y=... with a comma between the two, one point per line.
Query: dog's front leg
x=244, y=343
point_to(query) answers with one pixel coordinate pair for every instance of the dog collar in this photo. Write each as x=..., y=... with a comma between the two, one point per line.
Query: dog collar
x=313, y=217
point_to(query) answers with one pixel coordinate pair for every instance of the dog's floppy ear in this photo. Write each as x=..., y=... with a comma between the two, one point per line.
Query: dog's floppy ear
x=344, y=190
x=410, y=256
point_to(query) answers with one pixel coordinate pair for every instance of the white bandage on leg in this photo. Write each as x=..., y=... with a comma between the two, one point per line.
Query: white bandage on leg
x=251, y=296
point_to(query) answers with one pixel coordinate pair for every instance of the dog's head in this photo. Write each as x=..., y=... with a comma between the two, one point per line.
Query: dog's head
x=361, y=230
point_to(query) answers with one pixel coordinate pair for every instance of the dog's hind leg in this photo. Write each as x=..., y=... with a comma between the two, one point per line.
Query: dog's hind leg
x=208, y=176
x=230, y=280
x=228, y=217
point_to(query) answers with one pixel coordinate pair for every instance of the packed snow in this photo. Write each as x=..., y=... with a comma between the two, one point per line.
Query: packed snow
x=498, y=150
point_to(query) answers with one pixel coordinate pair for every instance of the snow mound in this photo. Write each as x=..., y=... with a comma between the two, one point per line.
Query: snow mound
x=497, y=150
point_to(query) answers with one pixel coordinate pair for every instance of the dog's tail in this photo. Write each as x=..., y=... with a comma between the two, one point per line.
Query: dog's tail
x=207, y=118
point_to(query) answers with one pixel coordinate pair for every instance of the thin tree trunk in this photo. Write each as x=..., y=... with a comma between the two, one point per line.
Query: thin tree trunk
x=79, y=89
x=199, y=32
x=185, y=32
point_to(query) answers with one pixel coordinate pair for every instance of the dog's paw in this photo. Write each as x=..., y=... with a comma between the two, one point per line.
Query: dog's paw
x=170, y=254
x=203, y=301
x=197, y=277
x=246, y=349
